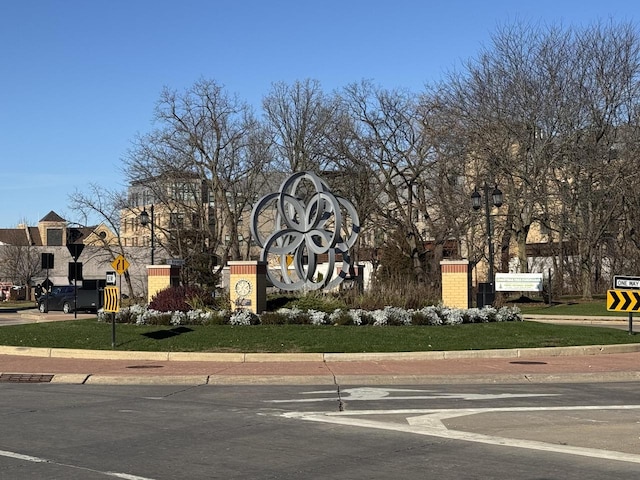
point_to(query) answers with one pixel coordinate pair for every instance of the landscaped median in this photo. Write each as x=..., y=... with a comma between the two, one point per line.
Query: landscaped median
x=434, y=331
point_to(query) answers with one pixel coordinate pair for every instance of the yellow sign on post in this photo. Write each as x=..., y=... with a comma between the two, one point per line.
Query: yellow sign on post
x=111, y=299
x=120, y=265
x=623, y=300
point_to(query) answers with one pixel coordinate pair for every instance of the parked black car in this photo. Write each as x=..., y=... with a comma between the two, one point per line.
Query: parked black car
x=64, y=298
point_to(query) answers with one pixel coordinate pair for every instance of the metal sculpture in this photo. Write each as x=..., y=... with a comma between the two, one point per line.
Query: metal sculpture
x=304, y=231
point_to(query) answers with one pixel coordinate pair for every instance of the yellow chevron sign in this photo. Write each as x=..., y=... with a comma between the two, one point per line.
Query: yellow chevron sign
x=111, y=299
x=623, y=300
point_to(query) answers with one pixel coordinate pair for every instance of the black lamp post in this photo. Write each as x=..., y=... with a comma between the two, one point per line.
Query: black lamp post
x=476, y=203
x=146, y=220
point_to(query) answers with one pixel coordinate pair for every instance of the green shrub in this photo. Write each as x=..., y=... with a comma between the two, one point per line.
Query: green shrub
x=407, y=295
x=326, y=303
x=220, y=317
x=341, y=317
x=419, y=318
x=280, y=300
x=274, y=318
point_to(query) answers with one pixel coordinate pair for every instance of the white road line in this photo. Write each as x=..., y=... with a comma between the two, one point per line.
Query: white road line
x=372, y=393
x=19, y=456
x=430, y=424
x=126, y=476
x=29, y=458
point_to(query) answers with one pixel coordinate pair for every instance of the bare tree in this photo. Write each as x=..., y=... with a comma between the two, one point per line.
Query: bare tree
x=506, y=107
x=298, y=118
x=598, y=167
x=204, y=134
x=19, y=263
x=540, y=112
x=390, y=140
x=107, y=205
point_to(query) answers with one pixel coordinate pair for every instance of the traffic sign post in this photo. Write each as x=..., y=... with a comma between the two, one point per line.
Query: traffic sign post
x=110, y=278
x=112, y=305
x=112, y=293
x=111, y=300
x=75, y=250
x=120, y=264
x=624, y=301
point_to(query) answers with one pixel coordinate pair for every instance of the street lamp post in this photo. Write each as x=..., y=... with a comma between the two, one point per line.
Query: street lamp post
x=146, y=220
x=476, y=203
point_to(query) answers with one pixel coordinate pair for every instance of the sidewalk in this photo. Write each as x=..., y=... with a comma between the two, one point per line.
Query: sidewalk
x=566, y=364
x=537, y=365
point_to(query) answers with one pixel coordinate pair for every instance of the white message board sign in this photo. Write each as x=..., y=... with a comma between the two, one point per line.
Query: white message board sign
x=518, y=282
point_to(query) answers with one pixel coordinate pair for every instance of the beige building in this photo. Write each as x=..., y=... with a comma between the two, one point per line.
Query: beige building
x=54, y=231
x=21, y=249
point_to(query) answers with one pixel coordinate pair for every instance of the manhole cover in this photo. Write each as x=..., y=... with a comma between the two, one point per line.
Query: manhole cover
x=25, y=378
x=145, y=366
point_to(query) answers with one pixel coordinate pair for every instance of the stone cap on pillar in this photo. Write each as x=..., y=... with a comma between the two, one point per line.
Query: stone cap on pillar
x=247, y=267
x=454, y=266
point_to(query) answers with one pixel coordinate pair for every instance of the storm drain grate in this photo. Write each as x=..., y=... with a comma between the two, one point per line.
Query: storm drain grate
x=25, y=378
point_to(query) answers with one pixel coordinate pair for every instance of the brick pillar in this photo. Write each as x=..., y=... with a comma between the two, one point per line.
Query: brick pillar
x=160, y=277
x=248, y=285
x=455, y=283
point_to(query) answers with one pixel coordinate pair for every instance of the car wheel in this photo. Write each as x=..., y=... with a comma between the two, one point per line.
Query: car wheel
x=66, y=308
x=42, y=307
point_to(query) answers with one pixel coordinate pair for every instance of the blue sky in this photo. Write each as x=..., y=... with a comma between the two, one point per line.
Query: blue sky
x=80, y=78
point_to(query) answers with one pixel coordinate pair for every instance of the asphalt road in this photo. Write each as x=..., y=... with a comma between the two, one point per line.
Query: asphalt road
x=536, y=432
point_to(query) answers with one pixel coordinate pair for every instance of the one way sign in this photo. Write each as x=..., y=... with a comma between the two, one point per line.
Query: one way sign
x=623, y=300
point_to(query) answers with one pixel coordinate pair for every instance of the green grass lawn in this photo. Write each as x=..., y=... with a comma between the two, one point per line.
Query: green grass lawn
x=90, y=334
x=570, y=307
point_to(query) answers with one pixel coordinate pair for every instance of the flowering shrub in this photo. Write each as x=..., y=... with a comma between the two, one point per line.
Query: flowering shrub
x=430, y=315
x=340, y=317
x=481, y=315
x=242, y=318
x=379, y=317
x=358, y=316
x=391, y=316
x=508, y=314
x=316, y=317
x=452, y=316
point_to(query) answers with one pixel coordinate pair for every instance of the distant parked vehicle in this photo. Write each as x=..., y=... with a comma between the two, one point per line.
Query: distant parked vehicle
x=68, y=299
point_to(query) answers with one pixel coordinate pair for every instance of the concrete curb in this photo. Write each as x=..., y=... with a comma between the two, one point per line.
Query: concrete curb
x=146, y=380
x=344, y=380
x=317, y=357
x=498, y=379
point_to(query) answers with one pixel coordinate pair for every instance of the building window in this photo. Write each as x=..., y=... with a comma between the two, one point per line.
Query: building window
x=54, y=237
x=176, y=220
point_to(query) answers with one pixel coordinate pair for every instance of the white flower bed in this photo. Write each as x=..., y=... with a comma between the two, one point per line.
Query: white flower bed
x=431, y=315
